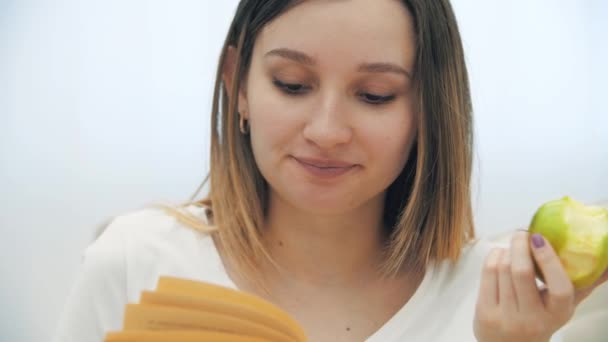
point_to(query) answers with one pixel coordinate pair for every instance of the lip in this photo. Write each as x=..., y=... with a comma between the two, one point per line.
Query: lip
x=324, y=168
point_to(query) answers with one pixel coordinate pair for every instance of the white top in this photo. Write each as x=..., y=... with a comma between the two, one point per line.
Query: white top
x=139, y=247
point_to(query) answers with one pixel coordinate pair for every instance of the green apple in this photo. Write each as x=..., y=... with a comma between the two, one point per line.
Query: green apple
x=579, y=235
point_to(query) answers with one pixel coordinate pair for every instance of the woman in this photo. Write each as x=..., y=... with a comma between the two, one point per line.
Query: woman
x=339, y=189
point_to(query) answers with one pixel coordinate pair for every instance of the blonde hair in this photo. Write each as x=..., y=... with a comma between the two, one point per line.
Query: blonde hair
x=427, y=208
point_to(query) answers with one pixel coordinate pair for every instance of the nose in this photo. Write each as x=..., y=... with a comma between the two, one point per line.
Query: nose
x=329, y=126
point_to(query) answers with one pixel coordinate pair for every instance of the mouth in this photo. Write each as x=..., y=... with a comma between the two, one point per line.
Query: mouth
x=324, y=168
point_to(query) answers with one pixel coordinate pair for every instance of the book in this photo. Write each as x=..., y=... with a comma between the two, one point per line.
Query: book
x=182, y=310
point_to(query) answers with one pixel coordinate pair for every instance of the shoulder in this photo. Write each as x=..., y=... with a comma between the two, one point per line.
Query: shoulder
x=129, y=255
x=464, y=275
x=450, y=291
x=146, y=228
x=466, y=271
x=148, y=241
x=152, y=220
x=476, y=250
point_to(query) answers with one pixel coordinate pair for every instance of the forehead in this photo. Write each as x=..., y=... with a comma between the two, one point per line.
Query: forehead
x=344, y=29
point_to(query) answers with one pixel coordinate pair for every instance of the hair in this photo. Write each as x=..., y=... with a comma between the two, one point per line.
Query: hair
x=428, y=207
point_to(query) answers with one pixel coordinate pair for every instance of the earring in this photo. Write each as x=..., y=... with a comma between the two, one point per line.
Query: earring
x=244, y=125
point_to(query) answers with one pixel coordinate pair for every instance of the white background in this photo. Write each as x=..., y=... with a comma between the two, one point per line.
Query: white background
x=104, y=108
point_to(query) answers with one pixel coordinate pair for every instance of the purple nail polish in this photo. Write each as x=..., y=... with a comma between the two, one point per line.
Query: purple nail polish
x=537, y=240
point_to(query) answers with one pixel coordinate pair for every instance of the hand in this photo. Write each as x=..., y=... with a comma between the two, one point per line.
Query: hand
x=510, y=305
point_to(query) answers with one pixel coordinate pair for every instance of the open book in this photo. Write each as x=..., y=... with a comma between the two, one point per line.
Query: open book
x=181, y=310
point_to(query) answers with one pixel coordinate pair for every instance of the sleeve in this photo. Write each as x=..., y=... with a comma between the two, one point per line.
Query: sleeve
x=96, y=302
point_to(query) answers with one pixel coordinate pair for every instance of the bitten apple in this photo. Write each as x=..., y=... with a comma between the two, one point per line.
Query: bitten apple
x=579, y=235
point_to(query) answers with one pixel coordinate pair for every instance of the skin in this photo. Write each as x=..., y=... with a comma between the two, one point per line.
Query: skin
x=327, y=233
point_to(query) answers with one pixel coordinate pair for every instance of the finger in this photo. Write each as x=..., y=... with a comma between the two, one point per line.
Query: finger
x=522, y=273
x=506, y=294
x=488, y=291
x=559, y=296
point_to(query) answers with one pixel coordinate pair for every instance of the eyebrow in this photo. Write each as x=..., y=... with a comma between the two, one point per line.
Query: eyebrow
x=302, y=58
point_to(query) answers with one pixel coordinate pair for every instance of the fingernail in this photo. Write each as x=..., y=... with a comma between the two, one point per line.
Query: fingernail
x=538, y=241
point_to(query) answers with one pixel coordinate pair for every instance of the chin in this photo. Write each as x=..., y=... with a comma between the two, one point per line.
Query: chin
x=333, y=209
x=319, y=201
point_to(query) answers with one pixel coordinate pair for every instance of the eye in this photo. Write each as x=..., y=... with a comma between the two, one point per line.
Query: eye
x=376, y=99
x=290, y=88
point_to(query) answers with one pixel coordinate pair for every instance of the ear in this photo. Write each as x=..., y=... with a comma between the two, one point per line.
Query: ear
x=228, y=71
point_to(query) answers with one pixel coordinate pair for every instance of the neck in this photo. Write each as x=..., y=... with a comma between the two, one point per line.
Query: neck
x=326, y=250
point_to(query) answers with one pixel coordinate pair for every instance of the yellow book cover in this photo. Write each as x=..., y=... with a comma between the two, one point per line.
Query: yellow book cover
x=187, y=311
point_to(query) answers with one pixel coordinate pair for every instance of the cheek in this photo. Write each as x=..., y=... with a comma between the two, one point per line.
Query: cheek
x=391, y=144
x=274, y=123
x=271, y=110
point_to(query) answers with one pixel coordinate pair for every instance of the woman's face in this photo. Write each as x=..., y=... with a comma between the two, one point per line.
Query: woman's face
x=329, y=100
